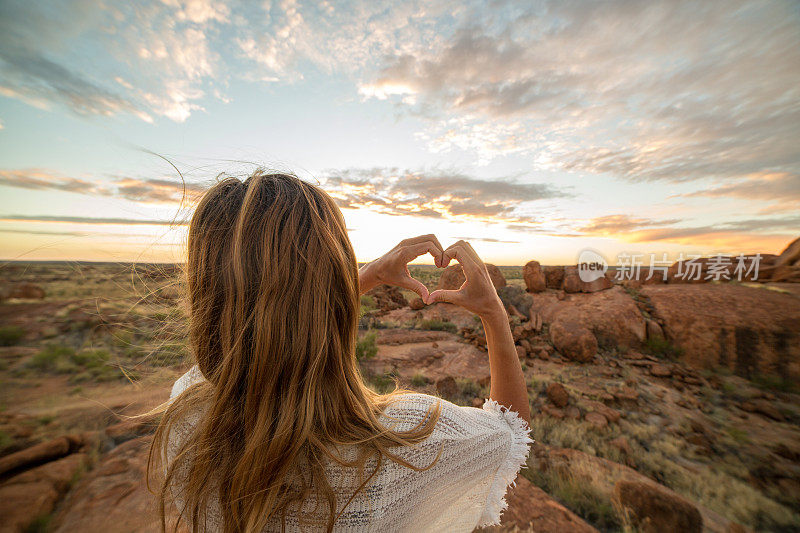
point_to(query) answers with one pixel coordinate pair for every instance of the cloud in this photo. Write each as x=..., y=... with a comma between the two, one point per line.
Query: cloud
x=91, y=220
x=146, y=190
x=487, y=239
x=437, y=194
x=672, y=91
x=781, y=189
x=35, y=232
x=648, y=230
x=616, y=224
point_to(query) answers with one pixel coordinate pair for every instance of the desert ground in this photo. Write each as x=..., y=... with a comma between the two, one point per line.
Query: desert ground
x=658, y=405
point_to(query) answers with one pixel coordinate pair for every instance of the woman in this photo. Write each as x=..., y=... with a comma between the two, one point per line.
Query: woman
x=274, y=429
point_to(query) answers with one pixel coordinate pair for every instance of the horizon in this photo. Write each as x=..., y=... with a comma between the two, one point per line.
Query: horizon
x=533, y=130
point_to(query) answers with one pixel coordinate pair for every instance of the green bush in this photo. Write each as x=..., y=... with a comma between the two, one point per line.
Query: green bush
x=419, y=380
x=10, y=335
x=663, y=348
x=51, y=358
x=367, y=346
x=437, y=325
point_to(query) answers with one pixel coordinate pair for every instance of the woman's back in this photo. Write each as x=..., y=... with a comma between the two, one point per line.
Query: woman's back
x=475, y=453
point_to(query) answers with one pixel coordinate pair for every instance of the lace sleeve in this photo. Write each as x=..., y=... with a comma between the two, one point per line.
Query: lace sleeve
x=509, y=466
x=185, y=381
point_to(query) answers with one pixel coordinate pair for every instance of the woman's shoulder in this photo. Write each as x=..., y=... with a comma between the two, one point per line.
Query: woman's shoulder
x=454, y=420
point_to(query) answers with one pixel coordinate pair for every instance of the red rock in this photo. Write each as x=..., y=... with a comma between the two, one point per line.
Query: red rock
x=33, y=494
x=453, y=277
x=521, y=353
x=447, y=386
x=783, y=267
x=555, y=412
x=554, y=276
x=573, y=282
x=612, y=415
x=762, y=407
x=660, y=371
x=27, y=291
x=626, y=396
x=387, y=298
x=621, y=443
x=112, y=499
x=532, y=509
x=573, y=341
x=416, y=303
x=654, y=330
x=534, y=277
x=654, y=510
x=596, y=419
x=573, y=412
x=35, y=455
x=611, y=315
x=133, y=427
x=746, y=330
x=557, y=394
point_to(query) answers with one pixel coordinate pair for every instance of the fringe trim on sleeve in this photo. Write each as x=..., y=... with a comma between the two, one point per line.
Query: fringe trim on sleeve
x=511, y=465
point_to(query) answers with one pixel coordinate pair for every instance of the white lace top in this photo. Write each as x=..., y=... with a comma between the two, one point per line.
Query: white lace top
x=482, y=450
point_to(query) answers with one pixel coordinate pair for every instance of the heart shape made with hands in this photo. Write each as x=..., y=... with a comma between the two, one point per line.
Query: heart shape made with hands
x=392, y=268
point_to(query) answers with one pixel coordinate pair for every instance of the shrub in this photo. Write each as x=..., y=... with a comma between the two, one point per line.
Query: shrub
x=53, y=356
x=419, y=380
x=367, y=346
x=663, y=348
x=10, y=335
x=437, y=325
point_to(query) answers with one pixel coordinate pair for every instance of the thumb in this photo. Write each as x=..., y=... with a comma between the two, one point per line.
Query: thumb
x=442, y=295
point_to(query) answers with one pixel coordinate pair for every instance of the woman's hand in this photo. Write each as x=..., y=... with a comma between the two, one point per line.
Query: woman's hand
x=392, y=268
x=477, y=294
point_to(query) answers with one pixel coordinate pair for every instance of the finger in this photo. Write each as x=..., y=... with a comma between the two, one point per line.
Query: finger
x=461, y=252
x=437, y=258
x=416, y=286
x=415, y=250
x=442, y=295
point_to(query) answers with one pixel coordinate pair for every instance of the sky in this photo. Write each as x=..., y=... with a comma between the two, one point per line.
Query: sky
x=534, y=129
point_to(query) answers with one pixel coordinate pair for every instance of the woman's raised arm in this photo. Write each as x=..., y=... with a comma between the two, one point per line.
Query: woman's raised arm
x=478, y=295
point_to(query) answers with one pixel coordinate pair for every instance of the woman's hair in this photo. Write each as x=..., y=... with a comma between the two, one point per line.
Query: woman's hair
x=273, y=302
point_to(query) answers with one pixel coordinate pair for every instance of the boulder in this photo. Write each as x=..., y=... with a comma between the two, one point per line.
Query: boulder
x=557, y=394
x=574, y=284
x=532, y=509
x=654, y=331
x=611, y=315
x=35, y=455
x=453, y=277
x=416, y=303
x=655, y=510
x=786, y=267
x=534, y=277
x=573, y=341
x=387, y=298
x=447, y=386
x=597, y=420
x=553, y=276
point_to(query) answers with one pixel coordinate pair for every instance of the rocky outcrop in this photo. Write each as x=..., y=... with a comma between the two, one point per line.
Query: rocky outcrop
x=749, y=330
x=573, y=282
x=433, y=354
x=573, y=341
x=113, y=497
x=33, y=494
x=23, y=291
x=387, y=298
x=612, y=316
x=653, y=510
x=553, y=276
x=786, y=267
x=534, y=277
x=532, y=509
x=453, y=277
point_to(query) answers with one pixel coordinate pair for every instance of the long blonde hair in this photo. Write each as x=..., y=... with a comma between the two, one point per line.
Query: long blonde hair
x=273, y=314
